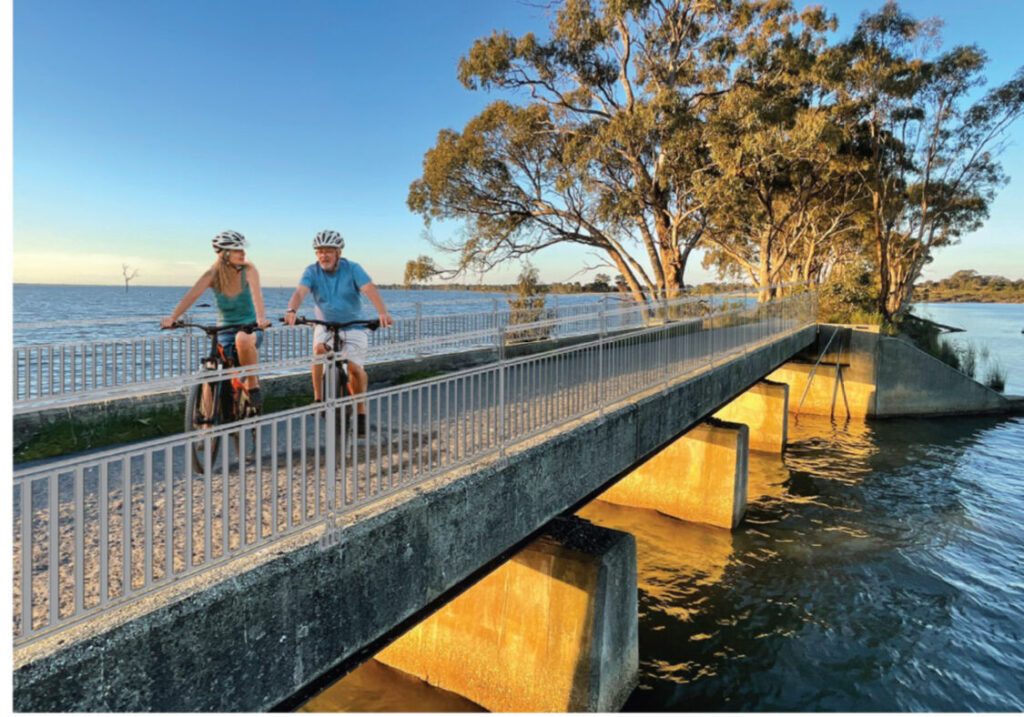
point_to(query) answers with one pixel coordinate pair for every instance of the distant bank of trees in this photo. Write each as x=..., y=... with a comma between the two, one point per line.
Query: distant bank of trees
x=600, y=284
x=650, y=129
x=969, y=285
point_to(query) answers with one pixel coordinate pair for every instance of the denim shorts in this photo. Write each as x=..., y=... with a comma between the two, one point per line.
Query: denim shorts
x=227, y=340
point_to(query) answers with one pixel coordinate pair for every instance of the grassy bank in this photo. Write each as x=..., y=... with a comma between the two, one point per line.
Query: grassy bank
x=73, y=435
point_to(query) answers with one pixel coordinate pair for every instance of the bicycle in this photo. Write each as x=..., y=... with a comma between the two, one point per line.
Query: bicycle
x=337, y=343
x=211, y=403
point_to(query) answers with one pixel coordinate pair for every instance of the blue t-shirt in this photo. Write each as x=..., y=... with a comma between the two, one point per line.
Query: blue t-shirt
x=336, y=295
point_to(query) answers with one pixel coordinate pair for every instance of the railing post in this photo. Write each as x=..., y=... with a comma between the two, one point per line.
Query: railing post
x=188, y=348
x=494, y=321
x=602, y=317
x=419, y=328
x=501, y=407
x=554, y=309
x=331, y=430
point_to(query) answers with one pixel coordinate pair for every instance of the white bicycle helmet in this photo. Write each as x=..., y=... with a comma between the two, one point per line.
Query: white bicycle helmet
x=229, y=239
x=328, y=237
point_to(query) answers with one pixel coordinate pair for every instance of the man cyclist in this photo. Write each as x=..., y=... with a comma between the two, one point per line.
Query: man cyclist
x=336, y=284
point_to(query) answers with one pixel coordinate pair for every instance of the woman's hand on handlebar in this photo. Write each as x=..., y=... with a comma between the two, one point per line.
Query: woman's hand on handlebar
x=385, y=319
x=263, y=323
x=167, y=322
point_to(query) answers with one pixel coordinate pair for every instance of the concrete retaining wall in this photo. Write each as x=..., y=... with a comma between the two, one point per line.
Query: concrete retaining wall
x=251, y=641
x=882, y=377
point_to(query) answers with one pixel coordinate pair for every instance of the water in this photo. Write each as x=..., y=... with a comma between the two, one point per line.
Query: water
x=880, y=566
x=65, y=312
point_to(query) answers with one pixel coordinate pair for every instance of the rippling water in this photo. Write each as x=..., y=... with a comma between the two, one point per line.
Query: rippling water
x=883, y=572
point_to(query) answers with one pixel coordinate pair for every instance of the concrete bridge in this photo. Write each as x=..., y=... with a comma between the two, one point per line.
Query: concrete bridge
x=534, y=609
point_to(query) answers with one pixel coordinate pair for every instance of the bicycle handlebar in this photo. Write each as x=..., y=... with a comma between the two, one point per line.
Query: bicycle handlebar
x=371, y=324
x=211, y=329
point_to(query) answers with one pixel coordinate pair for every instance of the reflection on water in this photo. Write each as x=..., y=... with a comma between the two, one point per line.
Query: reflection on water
x=881, y=573
x=373, y=687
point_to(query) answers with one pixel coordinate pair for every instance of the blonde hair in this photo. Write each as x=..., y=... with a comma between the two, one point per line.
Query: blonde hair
x=225, y=279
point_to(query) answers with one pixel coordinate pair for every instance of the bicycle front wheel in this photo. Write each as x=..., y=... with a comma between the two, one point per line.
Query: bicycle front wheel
x=202, y=413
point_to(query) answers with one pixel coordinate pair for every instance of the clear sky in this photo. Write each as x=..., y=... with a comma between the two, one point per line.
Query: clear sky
x=141, y=129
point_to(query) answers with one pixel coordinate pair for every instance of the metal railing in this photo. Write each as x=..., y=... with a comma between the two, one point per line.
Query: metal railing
x=53, y=375
x=98, y=531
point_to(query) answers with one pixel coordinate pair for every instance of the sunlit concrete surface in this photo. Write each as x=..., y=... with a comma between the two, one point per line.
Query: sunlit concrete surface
x=700, y=477
x=764, y=408
x=552, y=629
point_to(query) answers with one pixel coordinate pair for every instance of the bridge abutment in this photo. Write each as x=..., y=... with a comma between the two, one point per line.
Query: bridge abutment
x=553, y=629
x=700, y=477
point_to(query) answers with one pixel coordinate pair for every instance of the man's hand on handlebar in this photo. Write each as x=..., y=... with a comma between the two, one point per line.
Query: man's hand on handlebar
x=385, y=319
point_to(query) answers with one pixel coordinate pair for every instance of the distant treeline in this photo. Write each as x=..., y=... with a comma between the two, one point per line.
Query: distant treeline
x=969, y=285
x=565, y=287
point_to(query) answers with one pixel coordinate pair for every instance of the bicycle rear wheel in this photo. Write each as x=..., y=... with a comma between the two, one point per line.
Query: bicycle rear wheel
x=242, y=408
x=203, y=414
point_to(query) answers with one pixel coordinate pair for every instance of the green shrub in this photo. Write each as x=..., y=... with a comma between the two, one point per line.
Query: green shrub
x=526, y=307
x=996, y=377
x=968, y=356
x=849, y=296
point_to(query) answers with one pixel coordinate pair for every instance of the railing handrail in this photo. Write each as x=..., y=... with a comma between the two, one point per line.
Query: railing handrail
x=484, y=296
x=28, y=385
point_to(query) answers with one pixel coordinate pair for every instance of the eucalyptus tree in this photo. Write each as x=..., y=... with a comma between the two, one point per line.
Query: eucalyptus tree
x=781, y=194
x=928, y=157
x=607, y=148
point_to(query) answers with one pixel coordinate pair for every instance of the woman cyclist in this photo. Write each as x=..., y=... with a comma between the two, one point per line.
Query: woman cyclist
x=236, y=287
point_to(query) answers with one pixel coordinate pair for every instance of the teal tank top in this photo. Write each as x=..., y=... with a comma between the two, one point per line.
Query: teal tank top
x=237, y=309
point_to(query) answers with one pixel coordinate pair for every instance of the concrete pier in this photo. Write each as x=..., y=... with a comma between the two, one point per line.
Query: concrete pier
x=764, y=408
x=700, y=477
x=553, y=629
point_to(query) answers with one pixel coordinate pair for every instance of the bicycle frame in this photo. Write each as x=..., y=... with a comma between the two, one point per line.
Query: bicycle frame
x=336, y=346
x=214, y=401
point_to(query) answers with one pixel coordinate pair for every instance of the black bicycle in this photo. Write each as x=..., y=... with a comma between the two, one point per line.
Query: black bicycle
x=213, y=402
x=335, y=347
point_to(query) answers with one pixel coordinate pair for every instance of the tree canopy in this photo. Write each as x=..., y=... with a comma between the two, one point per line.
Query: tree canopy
x=646, y=129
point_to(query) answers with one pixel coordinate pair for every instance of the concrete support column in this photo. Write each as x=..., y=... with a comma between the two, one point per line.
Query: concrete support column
x=764, y=407
x=553, y=629
x=700, y=477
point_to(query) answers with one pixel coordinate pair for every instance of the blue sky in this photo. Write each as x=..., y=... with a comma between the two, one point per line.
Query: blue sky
x=140, y=129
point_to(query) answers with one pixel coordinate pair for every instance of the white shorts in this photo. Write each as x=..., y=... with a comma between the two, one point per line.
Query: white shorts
x=354, y=342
